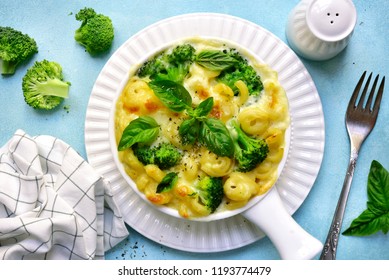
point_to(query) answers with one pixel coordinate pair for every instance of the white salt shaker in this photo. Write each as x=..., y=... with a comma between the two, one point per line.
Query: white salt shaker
x=320, y=29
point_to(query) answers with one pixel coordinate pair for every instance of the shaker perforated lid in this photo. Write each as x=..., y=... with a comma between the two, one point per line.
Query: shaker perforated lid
x=331, y=20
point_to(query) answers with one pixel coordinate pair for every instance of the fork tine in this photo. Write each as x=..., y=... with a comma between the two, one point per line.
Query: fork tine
x=371, y=95
x=379, y=96
x=354, y=96
x=362, y=98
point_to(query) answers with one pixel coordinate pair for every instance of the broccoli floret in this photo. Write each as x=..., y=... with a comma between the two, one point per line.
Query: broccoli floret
x=96, y=31
x=165, y=155
x=248, y=151
x=153, y=66
x=210, y=192
x=241, y=71
x=145, y=154
x=43, y=85
x=182, y=54
x=15, y=47
x=172, y=66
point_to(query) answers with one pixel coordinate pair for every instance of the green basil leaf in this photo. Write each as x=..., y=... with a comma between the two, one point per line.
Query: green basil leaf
x=215, y=60
x=141, y=130
x=378, y=186
x=216, y=137
x=172, y=95
x=367, y=223
x=167, y=182
x=376, y=216
x=189, y=131
x=204, y=108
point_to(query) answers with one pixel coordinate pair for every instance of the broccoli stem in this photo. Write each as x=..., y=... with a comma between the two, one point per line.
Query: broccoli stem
x=7, y=67
x=53, y=87
x=78, y=36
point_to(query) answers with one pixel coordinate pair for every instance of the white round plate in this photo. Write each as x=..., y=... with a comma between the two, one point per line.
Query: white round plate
x=307, y=130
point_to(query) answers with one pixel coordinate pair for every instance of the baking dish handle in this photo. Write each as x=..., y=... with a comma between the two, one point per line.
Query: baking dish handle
x=289, y=238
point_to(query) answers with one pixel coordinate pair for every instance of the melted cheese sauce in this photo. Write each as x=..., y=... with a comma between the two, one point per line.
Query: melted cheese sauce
x=265, y=116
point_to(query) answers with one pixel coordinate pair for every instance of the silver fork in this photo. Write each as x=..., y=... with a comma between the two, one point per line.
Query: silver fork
x=361, y=117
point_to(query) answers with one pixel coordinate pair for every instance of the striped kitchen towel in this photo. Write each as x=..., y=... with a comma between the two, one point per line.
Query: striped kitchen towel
x=53, y=204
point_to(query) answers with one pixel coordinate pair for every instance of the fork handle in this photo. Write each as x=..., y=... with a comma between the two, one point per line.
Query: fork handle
x=331, y=243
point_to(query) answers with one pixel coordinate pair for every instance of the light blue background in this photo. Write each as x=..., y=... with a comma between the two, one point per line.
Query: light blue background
x=52, y=24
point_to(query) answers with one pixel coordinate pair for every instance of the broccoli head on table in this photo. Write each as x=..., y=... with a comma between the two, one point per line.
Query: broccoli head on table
x=44, y=86
x=96, y=32
x=15, y=47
